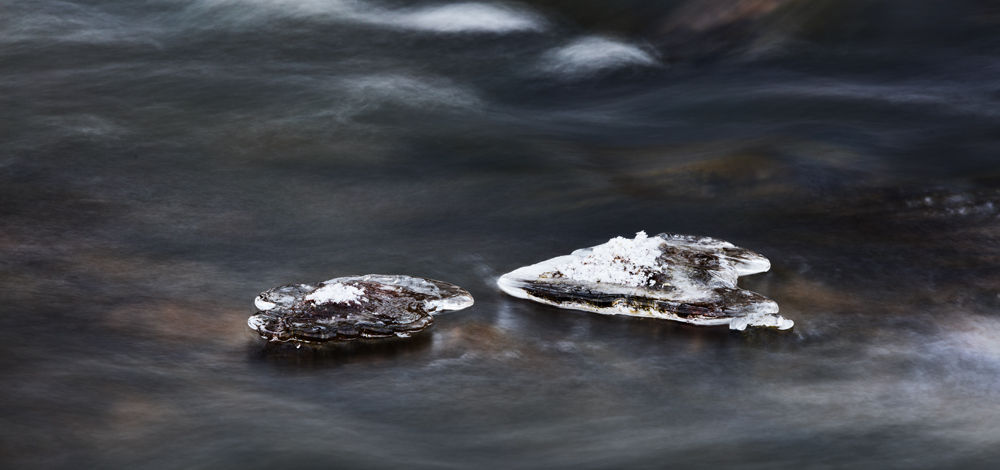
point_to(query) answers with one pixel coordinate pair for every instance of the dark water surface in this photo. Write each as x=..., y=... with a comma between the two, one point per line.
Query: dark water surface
x=164, y=161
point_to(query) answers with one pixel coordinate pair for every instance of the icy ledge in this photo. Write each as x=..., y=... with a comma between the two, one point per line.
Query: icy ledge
x=346, y=308
x=675, y=277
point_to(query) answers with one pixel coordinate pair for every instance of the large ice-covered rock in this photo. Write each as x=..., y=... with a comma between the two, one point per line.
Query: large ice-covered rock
x=346, y=308
x=677, y=277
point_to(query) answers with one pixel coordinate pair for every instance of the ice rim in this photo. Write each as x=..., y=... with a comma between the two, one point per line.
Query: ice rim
x=684, y=278
x=354, y=307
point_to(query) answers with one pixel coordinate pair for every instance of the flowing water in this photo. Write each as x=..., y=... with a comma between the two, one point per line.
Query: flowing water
x=164, y=161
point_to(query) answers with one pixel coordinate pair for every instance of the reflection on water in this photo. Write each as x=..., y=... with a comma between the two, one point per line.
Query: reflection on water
x=286, y=355
x=163, y=162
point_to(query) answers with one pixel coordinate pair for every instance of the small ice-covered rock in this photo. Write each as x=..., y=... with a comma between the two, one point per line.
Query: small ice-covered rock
x=345, y=308
x=676, y=277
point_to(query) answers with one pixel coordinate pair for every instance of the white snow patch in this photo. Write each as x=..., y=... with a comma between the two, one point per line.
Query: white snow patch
x=336, y=293
x=593, y=54
x=619, y=261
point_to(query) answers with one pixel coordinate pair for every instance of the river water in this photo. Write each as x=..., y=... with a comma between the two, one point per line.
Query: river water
x=164, y=161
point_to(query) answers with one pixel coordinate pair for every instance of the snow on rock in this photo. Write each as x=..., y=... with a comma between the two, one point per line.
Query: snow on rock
x=670, y=276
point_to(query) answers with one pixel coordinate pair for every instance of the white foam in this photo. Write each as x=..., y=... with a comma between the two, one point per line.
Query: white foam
x=410, y=91
x=595, y=53
x=287, y=7
x=71, y=22
x=961, y=98
x=336, y=293
x=463, y=17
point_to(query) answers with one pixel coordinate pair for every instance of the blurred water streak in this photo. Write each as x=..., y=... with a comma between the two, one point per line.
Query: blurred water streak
x=164, y=161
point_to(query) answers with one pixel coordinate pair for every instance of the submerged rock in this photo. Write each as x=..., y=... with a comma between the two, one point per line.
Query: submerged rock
x=676, y=277
x=346, y=308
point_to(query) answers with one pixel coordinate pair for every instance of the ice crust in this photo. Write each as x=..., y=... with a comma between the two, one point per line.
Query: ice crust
x=346, y=308
x=678, y=277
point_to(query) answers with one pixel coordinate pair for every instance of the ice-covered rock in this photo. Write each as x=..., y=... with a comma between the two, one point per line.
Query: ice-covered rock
x=345, y=308
x=677, y=277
